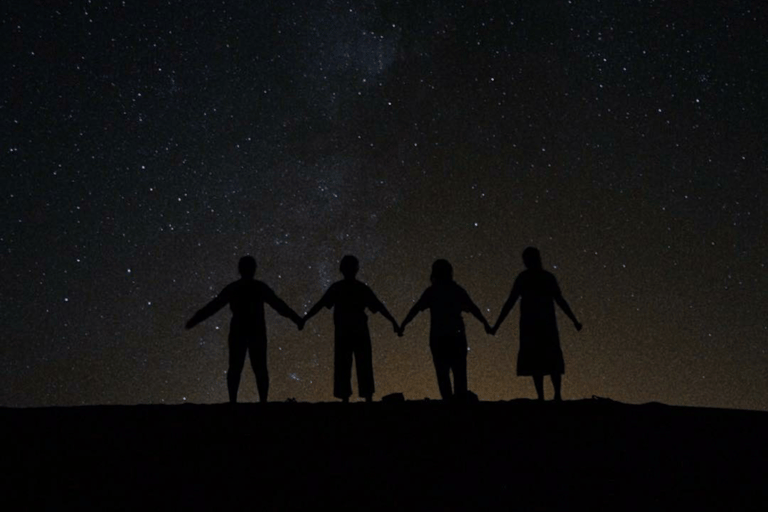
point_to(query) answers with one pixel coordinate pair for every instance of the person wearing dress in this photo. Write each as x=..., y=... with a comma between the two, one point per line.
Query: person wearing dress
x=540, y=352
x=446, y=301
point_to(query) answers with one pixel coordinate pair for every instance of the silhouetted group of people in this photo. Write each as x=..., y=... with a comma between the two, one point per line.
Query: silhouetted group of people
x=539, y=353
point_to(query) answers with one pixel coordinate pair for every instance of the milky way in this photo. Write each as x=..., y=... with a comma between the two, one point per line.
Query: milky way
x=146, y=146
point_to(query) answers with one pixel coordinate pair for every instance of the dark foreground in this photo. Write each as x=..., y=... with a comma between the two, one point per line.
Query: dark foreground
x=384, y=456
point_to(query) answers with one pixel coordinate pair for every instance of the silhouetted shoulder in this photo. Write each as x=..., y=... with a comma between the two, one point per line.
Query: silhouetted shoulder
x=426, y=299
x=462, y=297
x=230, y=291
x=550, y=282
x=231, y=287
x=331, y=296
x=536, y=282
x=250, y=286
x=249, y=290
x=442, y=294
x=264, y=289
x=371, y=301
x=351, y=294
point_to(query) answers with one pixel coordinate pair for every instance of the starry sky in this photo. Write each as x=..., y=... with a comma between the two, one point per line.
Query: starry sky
x=147, y=146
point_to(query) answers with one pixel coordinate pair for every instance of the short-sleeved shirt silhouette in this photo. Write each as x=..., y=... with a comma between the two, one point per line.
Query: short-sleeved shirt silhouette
x=246, y=298
x=445, y=301
x=540, y=352
x=349, y=299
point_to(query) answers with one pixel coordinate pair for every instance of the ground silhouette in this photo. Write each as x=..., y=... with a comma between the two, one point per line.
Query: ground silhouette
x=433, y=455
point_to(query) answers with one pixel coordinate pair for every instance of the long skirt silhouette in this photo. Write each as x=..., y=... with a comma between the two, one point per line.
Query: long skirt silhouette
x=540, y=352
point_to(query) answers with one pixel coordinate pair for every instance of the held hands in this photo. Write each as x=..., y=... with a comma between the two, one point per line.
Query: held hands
x=300, y=323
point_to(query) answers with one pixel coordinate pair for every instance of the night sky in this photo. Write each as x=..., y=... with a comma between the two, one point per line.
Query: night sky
x=147, y=146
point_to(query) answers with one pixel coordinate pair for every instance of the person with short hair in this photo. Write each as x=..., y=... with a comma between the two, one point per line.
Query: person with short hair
x=349, y=299
x=247, y=330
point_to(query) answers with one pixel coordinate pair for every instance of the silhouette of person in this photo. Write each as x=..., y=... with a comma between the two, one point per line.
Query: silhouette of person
x=446, y=300
x=540, y=352
x=349, y=298
x=247, y=330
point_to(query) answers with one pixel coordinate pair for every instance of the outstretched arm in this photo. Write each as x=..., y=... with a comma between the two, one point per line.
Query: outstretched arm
x=409, y=317
x=513, y=296
x=376, y=306
x=315, y=310
x=283, y=309
x=208, y=310
x=473, y=310
x=560, y=300
x=327, y=301
x=385, y=313
x=421, y=304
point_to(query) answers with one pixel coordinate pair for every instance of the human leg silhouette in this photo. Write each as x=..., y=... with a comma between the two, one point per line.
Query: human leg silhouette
x=237, y=352
x=342, y=368
x=538, y=382
x=364, y=368
x=556, y=383
x=458, y=365
x=460, y=378
x=442, y=370
x=257, y=351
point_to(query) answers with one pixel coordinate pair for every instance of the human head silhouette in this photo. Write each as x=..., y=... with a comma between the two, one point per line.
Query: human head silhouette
x=532, y=258
x=441, y=271
x=349, y=266
x=247, y=267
